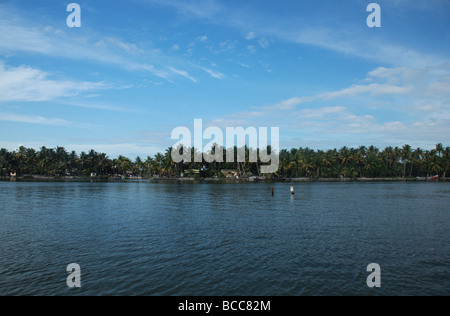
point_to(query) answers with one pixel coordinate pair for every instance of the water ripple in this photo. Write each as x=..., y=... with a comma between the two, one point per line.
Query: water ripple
x=226, y=240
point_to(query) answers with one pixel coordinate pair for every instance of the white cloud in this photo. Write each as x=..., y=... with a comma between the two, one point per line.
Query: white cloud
x=417, y=111
x=250, y=36
x=34, y=120
x=321, y=112
x=441, y=88
x=251, y=49
x=264, y=43
x=18, y=35
x=266, y=66
x=243, y=65
x=111, y=42
x=372, y=89
x=152, y=69
x=183, y=73
x=396, y=75
x=214, y=74
x=345, y=39
x=226, y=47
x=88, y=104
x=40, y=120
x=195, y=8
x=30, y=84
x=287, y=104
x=202, y=38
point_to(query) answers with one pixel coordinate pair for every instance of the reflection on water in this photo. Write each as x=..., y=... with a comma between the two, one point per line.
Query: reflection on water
x=222, y=239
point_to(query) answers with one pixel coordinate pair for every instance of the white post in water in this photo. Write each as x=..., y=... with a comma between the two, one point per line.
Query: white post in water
x=292, y=191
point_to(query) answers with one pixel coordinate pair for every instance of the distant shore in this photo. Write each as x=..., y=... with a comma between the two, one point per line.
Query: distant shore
x=213, y=180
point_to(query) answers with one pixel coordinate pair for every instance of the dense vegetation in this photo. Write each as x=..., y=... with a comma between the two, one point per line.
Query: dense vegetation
x=368, y=162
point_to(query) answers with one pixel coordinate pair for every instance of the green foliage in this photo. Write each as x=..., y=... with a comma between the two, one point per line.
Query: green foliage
x=296, y=163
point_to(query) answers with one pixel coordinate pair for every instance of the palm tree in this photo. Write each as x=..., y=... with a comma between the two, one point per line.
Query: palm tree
x=388, y=157
x=84, y=162
x=44, y=161
x=73, y=161
x=351, y=162
x=446, y=156
x=440, y=149
x=6, y=162
x=435, y=167
x=21, y=157
x=169, y=164
x=406, y=157
x=345, y=155
x=359, y=160
x=148, y=166
x=123, y=165
x=158, y=163
x=61, y=158
x=397, y=153
x=372, y=164
x=103, y=163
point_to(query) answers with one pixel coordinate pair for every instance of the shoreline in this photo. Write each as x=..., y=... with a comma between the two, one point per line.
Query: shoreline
x=212, y=180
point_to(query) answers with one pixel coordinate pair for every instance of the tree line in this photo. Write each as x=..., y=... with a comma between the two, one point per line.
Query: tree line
x=370, y=162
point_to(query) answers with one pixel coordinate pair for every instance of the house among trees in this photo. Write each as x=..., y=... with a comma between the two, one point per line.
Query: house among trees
x=363, y=162
x=230, y=173
x=191, y=172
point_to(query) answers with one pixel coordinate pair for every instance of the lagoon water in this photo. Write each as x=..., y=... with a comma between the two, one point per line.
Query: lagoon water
x=144, y=238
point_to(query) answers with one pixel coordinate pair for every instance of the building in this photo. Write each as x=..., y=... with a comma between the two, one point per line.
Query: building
x=230, y=173
x=191, y=172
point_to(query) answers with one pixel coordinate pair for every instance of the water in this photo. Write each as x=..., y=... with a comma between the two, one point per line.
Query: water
x=224, y=239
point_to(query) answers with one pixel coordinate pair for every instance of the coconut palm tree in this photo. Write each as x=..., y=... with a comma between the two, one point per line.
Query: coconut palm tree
x=373, y=164
x=148, y=166
x=20, y=157
x=104, y=163
x=406, y=155
x=435, y=166
x=446, y=156
x=351, y=162
x=6, y=162
x=158, y=164
x=440, y=149
x=360, y=158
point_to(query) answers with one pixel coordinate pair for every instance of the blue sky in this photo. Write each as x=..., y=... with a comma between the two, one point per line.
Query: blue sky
x=137, y=69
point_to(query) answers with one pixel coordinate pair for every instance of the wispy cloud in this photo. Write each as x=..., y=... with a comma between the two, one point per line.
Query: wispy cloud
x=264, y=43
x=202, y=38
x=40, y=120
x=33, y=119
x=346, y=40
x=214, y=74
x=112, y=42
x=183, y=73
x=32, y=85
x=357, y=44
x=354, y=90
x=372, y=89
x=411, y=114
x=96, y=105
x=194, y=8
x=18, y=35
x=321, y=113
x=250, y=36
x=266, y=66
x=243, y=65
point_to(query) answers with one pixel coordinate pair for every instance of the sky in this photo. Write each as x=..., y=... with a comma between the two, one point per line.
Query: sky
x=137, y=69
